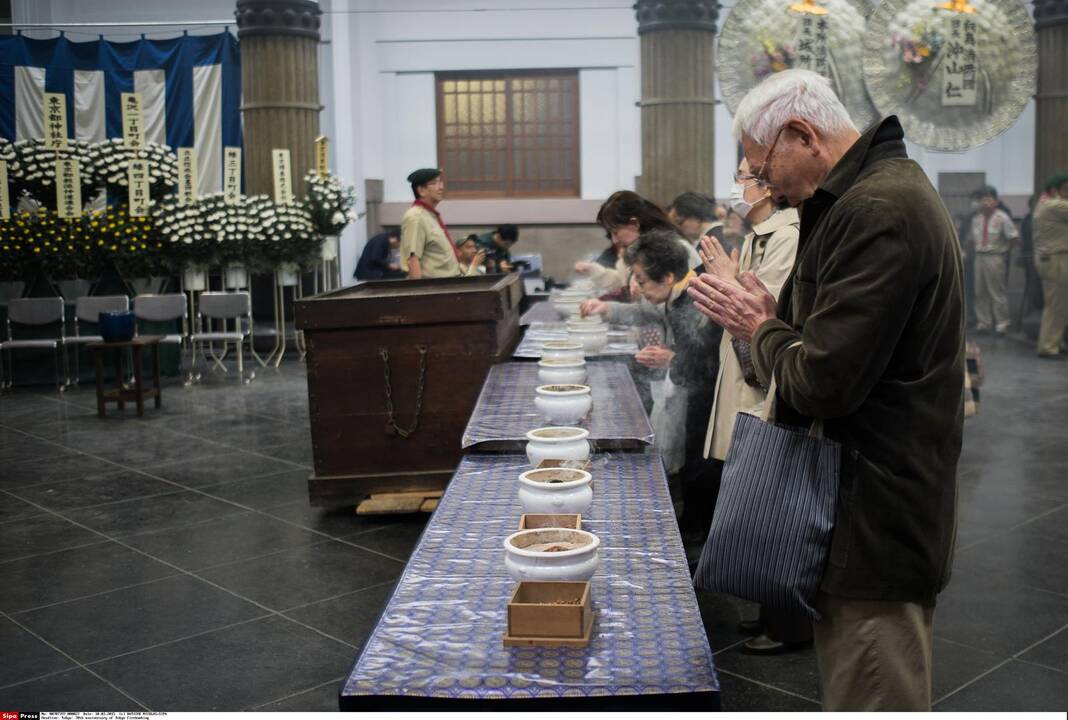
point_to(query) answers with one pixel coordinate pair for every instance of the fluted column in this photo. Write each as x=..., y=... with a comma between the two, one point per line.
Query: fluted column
x=678, y=96
x=1051, y=102
x=280, y=85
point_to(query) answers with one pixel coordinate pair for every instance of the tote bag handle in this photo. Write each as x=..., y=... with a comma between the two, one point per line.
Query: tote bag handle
x=814, y=431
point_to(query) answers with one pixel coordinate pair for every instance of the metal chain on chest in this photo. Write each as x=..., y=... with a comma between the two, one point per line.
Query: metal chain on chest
x=392, y=428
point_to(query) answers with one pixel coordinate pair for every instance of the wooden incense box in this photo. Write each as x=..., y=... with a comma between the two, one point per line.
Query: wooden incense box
x=550, y=614
x=536, y=521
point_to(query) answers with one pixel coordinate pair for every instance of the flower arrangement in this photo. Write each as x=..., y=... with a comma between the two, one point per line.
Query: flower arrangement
x=256, y=231
x=108, y=162
x=131, y=244
x=330, y=203
x=42, y=239
x=288, y=233
x=773, y=57
x=32, y=169
x=918, y=52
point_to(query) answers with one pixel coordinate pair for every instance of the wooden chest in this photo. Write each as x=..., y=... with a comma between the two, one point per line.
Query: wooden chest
x=422, y=344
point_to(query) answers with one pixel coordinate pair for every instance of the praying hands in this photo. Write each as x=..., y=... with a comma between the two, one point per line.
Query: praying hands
x=739, y=308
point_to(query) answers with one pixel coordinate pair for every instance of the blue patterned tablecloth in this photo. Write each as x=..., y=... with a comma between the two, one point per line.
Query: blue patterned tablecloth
x=505, y=411
x=440, y=635
x=538, y=332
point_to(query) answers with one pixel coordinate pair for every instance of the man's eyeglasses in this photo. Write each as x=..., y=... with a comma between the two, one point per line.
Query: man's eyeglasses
x=762, y=175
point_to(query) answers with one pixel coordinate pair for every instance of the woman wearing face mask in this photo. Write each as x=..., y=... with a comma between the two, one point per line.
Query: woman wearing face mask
x=769, y=252
x=625, y=215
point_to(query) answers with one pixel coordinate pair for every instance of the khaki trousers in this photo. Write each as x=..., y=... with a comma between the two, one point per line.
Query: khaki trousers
x=1053, y=269
x=873, y=654
x=990, y=291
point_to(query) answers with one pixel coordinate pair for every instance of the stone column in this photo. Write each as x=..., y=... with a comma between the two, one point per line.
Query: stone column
x=280, y=85
x=1051, y=102
x=678, y=97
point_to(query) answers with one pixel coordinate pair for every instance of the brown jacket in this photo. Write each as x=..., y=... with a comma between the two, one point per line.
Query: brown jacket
x=876, y=300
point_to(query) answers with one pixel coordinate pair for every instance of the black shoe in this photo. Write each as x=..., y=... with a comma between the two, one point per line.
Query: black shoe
x=750, y=627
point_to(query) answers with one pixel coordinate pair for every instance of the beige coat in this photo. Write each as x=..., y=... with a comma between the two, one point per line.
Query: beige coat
x=769, y=252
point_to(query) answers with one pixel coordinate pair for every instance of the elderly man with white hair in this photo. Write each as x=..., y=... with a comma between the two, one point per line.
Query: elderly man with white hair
x=866, y=335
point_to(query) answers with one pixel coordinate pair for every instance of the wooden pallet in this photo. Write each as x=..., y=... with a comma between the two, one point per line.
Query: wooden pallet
x=395, y=503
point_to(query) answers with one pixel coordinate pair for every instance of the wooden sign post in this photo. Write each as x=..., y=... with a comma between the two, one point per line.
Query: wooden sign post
x=283, y=179
x=232, y=175
x=187, y=176
x=55, y=121
x=68, y=188
x=322, y=155
x=133, y=121
x=5, y=198
x=137, y=177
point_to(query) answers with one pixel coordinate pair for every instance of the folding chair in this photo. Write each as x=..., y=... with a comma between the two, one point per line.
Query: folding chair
x=166, y=308
x=35, y=312
x=224, y=306
x=87, y=310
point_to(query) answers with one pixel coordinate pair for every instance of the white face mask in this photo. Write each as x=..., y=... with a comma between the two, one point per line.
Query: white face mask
x=738, y=202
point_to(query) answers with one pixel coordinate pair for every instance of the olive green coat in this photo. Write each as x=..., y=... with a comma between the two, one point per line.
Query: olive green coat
x=876, y=300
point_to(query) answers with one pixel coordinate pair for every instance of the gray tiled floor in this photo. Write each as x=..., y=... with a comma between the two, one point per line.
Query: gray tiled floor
x=173, y=562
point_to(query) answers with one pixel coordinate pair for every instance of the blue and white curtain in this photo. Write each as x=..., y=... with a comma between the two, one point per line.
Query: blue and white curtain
x=190, y=88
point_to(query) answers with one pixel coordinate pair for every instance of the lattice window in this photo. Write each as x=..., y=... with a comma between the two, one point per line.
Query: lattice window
x=509, y=134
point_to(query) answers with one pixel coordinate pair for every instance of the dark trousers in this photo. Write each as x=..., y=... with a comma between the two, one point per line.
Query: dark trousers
x=699, y=477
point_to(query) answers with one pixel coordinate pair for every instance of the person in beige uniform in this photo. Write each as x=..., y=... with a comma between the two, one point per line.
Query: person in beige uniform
x=768, y=251
x=1051, y=259
x=993, y=233
x=426, y=249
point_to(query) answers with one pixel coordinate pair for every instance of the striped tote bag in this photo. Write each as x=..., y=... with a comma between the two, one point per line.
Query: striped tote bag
x=771, y=531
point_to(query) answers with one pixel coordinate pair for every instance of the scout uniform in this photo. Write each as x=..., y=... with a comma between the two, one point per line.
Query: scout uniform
x=423, y=234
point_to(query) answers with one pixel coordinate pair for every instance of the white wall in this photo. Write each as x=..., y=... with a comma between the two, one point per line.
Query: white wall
x=379, y=56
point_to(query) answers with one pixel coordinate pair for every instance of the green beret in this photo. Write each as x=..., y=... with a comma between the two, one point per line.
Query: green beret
x=423, y=176
x=1057, y=180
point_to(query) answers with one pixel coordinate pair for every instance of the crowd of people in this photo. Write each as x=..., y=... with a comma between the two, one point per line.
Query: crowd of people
x=833, y=284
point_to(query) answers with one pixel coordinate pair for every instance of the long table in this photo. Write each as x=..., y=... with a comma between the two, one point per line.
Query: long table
x=505, y=409
x=438, y=643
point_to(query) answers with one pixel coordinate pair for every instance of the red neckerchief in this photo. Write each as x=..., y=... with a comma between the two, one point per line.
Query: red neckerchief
x=441, y=224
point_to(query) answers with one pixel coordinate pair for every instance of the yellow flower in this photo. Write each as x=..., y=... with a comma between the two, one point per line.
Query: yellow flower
x=924, y=51
x=113, y=248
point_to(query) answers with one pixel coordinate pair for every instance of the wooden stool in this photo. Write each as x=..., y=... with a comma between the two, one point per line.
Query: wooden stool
x=120, y=395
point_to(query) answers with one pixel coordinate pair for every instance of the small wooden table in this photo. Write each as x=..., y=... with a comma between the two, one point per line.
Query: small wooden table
x=120, y=394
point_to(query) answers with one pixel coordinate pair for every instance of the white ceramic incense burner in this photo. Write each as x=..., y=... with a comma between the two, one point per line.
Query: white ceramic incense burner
x=558, y=443
x=555, y=490
x=593, y=337
x=562, y=350
x=563, y=404
x=562, y=371
x=551, y=554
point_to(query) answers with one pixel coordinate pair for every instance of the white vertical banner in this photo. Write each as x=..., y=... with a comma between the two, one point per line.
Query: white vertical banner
x=29, y=102
x=5, y=198
x=68, y=188
x=187, y=176
x=207, y=125
x=89, y=117
x=151, y=85
x=283, y=179
x=133, y=121
x=137, y=178
x=232, y=175
x=55, y=121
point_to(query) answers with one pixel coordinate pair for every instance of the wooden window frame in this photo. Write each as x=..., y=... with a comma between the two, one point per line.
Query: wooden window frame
x=509, y=191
